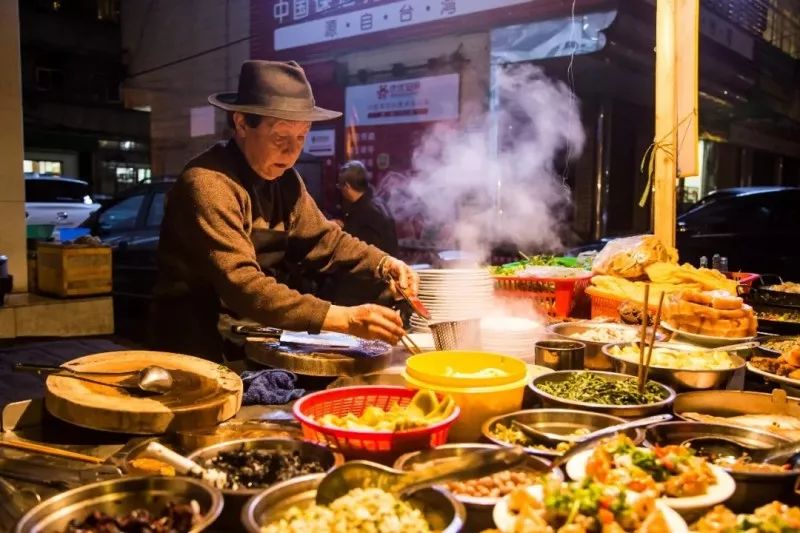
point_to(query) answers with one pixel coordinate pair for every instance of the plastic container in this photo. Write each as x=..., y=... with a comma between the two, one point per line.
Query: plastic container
x=478, y=398
x=554, y=296
x=375, y=445
x=436, y=367
x=70, y=234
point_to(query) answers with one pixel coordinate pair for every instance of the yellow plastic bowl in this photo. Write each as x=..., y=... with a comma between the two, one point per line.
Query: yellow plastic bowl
x=451, y=368
x=477, y=404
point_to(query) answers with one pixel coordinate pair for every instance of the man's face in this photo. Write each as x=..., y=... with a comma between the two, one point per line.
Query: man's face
x=273, y=146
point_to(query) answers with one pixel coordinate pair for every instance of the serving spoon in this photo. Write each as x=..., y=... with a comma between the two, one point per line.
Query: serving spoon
x=362, y=474
x=554, y=439
x=710, y=446
x=152, y=379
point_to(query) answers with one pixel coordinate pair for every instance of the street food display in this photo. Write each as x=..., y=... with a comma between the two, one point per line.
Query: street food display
x=359, y=511
x=174, y=518
x=677, y=358
x=595, y=388
x=251, y=468
x=714, y=313
x=673, y=471
x=586, y=507
x=775, y=517
x=622, y=483
x=424, y=410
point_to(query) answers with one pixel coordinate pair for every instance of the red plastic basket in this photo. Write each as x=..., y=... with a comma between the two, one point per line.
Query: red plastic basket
x=554, y=296
x=366, y=444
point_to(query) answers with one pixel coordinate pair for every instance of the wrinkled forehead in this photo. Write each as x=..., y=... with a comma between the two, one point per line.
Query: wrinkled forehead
x=295, y=127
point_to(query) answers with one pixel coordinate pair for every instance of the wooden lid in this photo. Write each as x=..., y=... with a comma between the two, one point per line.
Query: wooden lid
x=203, y=394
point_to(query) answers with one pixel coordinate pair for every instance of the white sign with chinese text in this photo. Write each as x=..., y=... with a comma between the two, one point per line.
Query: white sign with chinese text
x=321, y=143
x=371, y=19
x=432, y=98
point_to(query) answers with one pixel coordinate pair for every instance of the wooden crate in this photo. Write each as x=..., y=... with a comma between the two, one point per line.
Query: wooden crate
x=73, y=270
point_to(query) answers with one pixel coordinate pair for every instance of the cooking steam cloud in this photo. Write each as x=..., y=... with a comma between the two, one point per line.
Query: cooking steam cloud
x=503, y=189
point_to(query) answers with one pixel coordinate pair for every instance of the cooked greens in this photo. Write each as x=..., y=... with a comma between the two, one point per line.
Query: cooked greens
x=593, y=388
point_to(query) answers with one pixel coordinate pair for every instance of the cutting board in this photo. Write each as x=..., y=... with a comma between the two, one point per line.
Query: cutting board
x=203, y=394
x=315, y=361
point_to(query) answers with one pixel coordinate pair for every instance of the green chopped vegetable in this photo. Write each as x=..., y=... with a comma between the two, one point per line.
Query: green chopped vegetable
x=512, y=269
x=592, y=388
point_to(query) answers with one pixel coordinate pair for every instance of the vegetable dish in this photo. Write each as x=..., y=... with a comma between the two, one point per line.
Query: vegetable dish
x=592, y=388
x=678, y=359
x=774, y=517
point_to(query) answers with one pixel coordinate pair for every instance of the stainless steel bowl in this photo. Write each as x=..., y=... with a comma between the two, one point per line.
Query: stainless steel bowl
x=235, y=499
x=752, y=489
x=120, y=496
x=479, y=510
x=559, y=421
x=442, y=511
x=728, y=403
x=595, y=359
x=625, y=411
x=678, y=378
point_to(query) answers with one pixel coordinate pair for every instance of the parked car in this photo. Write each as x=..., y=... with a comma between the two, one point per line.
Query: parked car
x=130, y=224
x=756, y=228
x=56, y=201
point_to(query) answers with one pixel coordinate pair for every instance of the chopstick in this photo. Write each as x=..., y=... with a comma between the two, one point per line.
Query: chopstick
x=410, y=345
x=48, y=450
x=653, y=337
x=643, y=343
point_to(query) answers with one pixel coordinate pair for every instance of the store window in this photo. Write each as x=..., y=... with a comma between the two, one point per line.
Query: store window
x=37, y=166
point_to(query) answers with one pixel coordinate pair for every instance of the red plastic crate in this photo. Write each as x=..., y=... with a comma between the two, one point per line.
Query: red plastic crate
x=366, y=444
x=554, y=296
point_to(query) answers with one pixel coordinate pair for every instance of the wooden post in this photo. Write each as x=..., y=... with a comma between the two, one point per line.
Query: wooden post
x=664, y=201
x=677, y=39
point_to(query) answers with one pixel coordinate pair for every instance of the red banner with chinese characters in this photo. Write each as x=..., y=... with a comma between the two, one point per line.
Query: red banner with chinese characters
x=297, y=29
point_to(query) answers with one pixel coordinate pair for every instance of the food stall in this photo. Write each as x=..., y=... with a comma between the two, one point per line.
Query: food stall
x=634, y=392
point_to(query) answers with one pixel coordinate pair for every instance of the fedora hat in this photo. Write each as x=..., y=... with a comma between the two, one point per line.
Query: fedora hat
x=273, y=89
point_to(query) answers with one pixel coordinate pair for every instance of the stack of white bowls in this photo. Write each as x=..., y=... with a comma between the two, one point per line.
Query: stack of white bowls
x=510, y=335
x=453, y=294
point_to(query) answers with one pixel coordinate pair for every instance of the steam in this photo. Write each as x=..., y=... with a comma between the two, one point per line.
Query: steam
x=499, y=184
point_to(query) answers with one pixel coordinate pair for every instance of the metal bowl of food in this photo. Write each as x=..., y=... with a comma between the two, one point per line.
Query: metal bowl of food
x=603, y=392
x=440, y=508
x=684, y=367
x=252, y=465
x=595, y=335
x=754, y=486
x=481, y=495
x=559, y=421
x=191, y=504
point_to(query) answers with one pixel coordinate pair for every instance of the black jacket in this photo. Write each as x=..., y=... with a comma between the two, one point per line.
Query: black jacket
x=369, y=220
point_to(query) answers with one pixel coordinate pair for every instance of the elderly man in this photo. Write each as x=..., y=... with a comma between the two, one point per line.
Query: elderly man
x=240, y=216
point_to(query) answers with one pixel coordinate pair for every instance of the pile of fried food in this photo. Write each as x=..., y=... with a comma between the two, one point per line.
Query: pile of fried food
x=629, y=257
x=775, y=516
x=716, y=313
x=787, y=364
x=425, y=409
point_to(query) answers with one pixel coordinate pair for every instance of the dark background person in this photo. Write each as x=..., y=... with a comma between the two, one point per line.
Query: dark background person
x=367, y=218
x=239, y=217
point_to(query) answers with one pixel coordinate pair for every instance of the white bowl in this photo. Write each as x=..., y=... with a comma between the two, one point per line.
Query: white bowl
x=717, y=493
x=506, y=521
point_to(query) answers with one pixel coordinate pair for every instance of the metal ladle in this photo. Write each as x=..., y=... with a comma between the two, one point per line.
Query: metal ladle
x=152, y=379
x=361, y=474
x=554, y=439
x=714, y=447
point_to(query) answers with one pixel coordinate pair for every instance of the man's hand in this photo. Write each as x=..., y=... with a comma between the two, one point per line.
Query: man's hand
x=403, y=275
x=367, y=321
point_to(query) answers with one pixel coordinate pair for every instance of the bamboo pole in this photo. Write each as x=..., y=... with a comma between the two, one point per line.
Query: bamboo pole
x=664, y=196
x=687, y=88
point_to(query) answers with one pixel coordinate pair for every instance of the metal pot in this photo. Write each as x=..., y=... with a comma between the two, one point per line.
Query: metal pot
x=753, y=489
x=624, y=411
x=561, y=421
x=595, y=359
x=120, y=496
x=679, y=379
x=442, y=511
x=479, y=510
x=235, y=499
